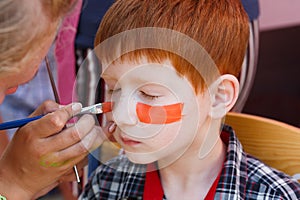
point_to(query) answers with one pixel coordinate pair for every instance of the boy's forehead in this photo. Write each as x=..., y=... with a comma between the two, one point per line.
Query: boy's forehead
x=141, y=65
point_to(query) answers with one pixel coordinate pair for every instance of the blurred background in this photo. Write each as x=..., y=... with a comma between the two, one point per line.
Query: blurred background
x=276, y=88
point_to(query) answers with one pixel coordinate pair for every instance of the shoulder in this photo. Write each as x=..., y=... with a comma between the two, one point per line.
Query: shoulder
x=246, y=177
x=264, y=181
x=112, y=179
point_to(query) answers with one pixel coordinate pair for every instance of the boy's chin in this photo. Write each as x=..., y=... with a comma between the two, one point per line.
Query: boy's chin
x=140, y=158
x=148, y=158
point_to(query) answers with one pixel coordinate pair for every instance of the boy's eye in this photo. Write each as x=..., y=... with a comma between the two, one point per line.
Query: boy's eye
x=148, y=96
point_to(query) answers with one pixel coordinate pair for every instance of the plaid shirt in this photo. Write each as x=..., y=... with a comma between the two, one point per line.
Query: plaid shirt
x=243, y=177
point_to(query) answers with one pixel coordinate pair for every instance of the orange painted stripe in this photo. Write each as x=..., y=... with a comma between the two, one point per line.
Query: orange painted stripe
x=159, y=114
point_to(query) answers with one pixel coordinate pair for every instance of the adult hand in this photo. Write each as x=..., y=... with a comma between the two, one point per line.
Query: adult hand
x=65, y=180
x=42, y=151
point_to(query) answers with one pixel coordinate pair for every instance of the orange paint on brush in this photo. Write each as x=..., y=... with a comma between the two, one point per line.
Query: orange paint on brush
x=159, y=114
x=107, y=106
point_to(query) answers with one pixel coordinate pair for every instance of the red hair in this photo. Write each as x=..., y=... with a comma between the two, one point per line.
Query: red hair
x=220, y=27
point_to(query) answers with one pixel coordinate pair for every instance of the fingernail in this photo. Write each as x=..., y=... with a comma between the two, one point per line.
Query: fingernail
x=112, y=127
x=76, y=107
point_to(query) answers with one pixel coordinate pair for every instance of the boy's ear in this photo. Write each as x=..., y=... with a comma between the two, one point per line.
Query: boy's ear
x=224, y=93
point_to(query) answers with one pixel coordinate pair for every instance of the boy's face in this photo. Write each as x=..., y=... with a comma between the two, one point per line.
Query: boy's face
x=156, y=111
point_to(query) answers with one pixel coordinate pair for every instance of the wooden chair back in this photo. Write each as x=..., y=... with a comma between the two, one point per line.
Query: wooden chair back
x=275, y=143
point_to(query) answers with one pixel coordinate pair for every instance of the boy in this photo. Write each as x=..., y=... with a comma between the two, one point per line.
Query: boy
x=170, y=96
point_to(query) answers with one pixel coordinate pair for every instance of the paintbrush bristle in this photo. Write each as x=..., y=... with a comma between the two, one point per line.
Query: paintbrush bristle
x=106, y=107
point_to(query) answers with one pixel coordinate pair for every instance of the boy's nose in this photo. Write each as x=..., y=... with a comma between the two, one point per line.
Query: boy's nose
x=124, y=112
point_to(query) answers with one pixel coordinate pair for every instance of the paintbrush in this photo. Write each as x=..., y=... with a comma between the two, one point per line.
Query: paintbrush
x=94, y=109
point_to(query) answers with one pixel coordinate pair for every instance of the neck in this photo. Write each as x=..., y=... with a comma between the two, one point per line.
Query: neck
x=192, y=175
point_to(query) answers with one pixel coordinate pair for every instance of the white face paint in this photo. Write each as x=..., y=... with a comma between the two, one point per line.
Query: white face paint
x=155, y=85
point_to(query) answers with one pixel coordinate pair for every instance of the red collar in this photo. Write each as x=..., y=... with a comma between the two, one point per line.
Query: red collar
x=153, y=189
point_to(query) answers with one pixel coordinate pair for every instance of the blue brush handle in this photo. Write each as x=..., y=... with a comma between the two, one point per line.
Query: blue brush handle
x=18, y=123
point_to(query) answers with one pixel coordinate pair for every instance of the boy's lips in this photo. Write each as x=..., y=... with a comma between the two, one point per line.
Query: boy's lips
x=129, y=141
